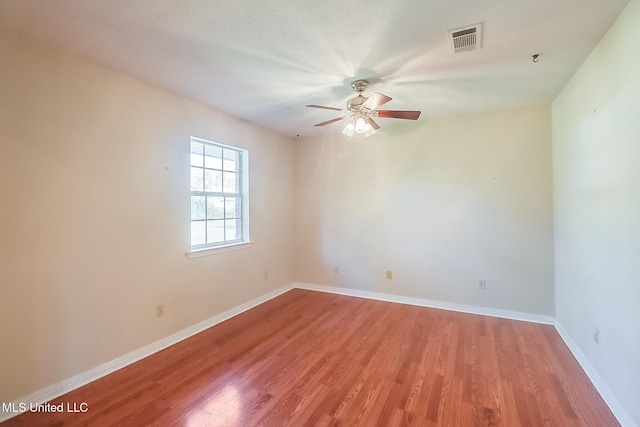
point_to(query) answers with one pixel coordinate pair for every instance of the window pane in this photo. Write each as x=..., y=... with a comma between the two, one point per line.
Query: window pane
x=230, y=160
x=197, y=207
x=196, y=179
x=213, y=157
x=215, y=207
x=213, y=180
x=197, y=147
x=197, y=233
x=196, y=153
x=230, y=182
x=231, y=207
x=196, y=159
x=232, y=229
x=215, y=231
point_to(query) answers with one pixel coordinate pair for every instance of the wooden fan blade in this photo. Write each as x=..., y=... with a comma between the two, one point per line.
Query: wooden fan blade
x=397, y=114
x=324, y=108
x=372, y=123
x=329, y=121
x=376, y=100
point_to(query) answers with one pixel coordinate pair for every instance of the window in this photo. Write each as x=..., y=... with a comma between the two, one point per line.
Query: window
x=219, y=211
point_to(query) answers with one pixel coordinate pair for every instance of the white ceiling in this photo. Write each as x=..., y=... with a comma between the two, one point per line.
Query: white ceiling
x=264, y=60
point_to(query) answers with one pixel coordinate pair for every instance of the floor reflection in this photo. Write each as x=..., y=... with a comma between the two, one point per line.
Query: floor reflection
x=222, y=409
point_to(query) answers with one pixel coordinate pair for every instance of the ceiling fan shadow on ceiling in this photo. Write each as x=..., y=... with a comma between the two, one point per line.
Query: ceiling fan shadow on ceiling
x=361, y=110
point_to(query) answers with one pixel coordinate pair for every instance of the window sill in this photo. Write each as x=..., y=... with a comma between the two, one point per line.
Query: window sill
x=218, y=249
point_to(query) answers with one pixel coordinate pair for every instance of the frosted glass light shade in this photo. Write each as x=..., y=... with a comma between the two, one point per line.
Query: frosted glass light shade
x=349, y=130
x=361, y=126
x=370, y=130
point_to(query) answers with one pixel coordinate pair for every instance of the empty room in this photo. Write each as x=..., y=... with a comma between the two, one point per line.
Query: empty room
x=308, y=214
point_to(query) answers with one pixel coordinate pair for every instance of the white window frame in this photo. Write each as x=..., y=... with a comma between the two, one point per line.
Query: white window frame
x=243, y=241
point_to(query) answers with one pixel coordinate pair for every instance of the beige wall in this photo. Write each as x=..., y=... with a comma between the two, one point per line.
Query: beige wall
x=94, y=223
x=596, y=168
x=442, y=203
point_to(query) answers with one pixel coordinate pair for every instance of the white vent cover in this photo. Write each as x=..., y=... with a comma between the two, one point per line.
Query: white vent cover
x=466, y=38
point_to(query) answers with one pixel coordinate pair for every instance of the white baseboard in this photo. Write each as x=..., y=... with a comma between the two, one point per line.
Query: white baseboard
x=618, y=410
x=48, y=393
x=484, y=311
x=56, y=390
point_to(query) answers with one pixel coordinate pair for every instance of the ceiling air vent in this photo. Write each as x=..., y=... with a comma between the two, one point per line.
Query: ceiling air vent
x=466, y=38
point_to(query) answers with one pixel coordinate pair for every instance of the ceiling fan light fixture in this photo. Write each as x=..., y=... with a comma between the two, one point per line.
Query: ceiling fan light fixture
x=349, y=130
x=358, y=127
x=370, y=130
x=361, y=126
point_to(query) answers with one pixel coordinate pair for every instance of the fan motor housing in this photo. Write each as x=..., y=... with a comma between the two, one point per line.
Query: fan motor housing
x=355, y=104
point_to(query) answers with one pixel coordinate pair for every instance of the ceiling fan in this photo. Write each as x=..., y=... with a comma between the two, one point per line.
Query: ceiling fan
x=361, y=110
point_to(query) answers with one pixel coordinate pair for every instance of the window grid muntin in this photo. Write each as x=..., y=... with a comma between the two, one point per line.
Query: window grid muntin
x=231, y=164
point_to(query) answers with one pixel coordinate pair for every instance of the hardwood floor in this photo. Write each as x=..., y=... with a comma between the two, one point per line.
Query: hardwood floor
x=315, y=359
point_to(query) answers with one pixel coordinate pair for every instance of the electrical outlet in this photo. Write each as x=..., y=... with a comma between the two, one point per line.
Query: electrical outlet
x=482, y=284
x=389, y=274
x=596, y=335
x=336, y=269
x=159, y=310
x=266, y=275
